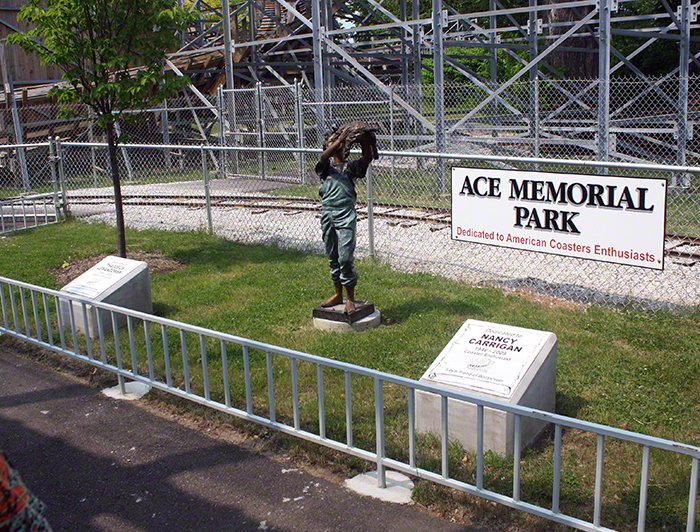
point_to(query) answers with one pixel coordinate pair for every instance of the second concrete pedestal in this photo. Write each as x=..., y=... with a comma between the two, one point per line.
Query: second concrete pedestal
x=122, y=282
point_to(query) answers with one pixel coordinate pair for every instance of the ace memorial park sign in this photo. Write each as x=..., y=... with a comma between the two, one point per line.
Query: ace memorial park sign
x=611, y=219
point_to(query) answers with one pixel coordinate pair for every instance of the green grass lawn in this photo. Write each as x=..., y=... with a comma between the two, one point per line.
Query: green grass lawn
x=634, y=371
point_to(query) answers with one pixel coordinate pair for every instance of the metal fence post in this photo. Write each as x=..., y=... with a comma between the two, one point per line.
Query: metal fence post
x=54, y=178
x=261, y=125
x=207, y=192
x=391, y=136
x=93, y=158
x=232, y=128
x=222, y=152
x=62, y=176
x=604, y=82
x=165, y=123
x=370, y=212
x=300, y=132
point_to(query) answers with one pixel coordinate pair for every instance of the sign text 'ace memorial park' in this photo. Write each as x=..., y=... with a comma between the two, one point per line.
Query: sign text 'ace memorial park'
x=605, y=218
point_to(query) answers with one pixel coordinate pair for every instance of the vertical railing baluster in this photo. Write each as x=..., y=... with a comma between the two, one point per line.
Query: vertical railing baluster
x=224, y=370
x=295, y=393
x=516, y=457
x=379, y=421
x=101, y=334
x=37, y=326
x=480, y=447
x=185, y=361
x=643, y=490
x=348, y=409
x=321, y=402
x=88, y=343
x=132, y=344
x=4, y=304
x=73, y=328
x=445, y=436
x=598, y=501
x=205, y=366
x=270, y=385
x=47, y=315
x=556, y=481
x=118, y=350
x=149, y=348
x=25, y=316
x=412, y=427
x=166, y=356
x=693, y=497
x=248, y=386
x=61, y=332
x=13, y=304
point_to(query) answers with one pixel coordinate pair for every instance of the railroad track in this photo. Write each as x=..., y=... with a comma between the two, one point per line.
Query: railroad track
x=403, y=215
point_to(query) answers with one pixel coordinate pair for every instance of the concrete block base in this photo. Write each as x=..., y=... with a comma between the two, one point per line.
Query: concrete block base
x=117, y=281
x=368, y=322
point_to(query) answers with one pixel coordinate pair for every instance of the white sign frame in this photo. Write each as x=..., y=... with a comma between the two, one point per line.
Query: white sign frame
x=99, y=280
x=621, y=220
x=487, y=357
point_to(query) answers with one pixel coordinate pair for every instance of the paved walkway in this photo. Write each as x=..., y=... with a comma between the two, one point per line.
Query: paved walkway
x=106, y=465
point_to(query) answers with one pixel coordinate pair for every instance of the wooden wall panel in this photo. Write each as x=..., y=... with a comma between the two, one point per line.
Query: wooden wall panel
x=22, y=67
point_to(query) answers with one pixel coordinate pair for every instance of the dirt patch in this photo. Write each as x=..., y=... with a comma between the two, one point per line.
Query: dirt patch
x=157, y=263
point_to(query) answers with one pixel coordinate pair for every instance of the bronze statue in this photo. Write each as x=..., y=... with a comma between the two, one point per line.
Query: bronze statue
x=338, y=197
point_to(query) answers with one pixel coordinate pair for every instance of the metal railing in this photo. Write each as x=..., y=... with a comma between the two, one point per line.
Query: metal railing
x=207, y=367
x=29, y=211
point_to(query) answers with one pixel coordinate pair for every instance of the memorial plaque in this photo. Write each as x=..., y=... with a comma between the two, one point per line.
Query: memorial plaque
x=500, y=362
x=115, y=280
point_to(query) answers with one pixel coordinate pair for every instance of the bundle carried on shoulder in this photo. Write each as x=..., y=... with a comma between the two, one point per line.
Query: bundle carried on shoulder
x=357, y=130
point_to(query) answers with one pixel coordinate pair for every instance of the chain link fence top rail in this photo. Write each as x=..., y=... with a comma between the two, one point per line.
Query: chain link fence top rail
x=256, y=147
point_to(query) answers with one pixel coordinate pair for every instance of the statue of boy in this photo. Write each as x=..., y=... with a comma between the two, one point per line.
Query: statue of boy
x=338, y=197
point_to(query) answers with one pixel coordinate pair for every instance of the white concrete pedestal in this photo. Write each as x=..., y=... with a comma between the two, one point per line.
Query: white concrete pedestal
x=500, y=362
x=114, y=280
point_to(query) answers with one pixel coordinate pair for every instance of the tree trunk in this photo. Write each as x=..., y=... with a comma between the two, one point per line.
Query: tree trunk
x=579, y=65
x=116, y=181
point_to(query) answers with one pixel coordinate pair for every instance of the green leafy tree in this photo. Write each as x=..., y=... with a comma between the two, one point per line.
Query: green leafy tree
x=112, y=54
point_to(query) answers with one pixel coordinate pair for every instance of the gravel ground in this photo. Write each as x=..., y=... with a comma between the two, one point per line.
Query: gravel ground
x=428, y=247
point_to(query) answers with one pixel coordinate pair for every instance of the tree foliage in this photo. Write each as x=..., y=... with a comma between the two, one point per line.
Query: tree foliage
x=112, y=55
x=111, y=51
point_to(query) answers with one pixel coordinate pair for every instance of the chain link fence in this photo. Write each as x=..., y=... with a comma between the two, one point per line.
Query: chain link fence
x=242, y=165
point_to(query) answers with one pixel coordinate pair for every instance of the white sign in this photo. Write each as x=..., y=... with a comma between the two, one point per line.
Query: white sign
x=101, y=277
x=487, y=357
x=611, y=219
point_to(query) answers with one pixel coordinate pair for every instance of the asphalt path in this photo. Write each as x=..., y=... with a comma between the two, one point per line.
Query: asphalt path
x=102, y=464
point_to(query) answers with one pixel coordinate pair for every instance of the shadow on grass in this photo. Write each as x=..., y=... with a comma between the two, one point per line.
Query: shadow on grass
x=393, y=315
x=569, y=405
x=223, y=254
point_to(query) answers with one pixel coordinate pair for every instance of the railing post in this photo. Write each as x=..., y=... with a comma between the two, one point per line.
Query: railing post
x=207, y=192
x=379, y=421
x=598, y=497
x=692, y=500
